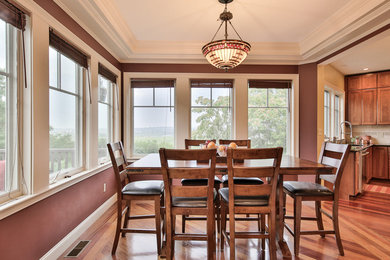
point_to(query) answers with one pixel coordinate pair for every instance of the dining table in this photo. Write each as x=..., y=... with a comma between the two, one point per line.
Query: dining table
x=290, y=165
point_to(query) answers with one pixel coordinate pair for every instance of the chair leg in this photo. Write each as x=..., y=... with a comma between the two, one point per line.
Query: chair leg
x=169, y=251
x=232, y=231
x=118, y=226
x=127, y=216
x=183, y=223
x=320, y=224
x=211, y=234
x=262, y=229
x=272, y=235
x=223, y=224
x=158, y=223
x=336, y=226
x=297, y=223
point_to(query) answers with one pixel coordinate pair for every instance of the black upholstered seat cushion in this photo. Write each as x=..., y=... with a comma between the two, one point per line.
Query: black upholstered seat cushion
x=199, y=182
x=300, y=188
x=243, y=181
x=187, y=202
x=244, y=200
x=143, y=188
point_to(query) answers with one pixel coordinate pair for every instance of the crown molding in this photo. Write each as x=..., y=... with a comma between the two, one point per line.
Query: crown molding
x=355, y=20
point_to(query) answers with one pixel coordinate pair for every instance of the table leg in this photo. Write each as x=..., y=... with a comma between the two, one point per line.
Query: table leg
x=280, y=220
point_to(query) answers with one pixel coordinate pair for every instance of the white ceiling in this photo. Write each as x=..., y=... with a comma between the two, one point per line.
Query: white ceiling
x=280, y=32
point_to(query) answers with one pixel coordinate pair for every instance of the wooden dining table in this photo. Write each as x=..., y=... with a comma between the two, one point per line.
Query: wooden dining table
x=290, y=165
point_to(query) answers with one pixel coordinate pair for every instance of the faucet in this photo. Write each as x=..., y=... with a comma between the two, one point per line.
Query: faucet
x=341, y=129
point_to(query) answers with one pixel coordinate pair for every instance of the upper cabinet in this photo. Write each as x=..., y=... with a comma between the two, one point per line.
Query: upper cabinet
x=368, y=99
x=384, y=79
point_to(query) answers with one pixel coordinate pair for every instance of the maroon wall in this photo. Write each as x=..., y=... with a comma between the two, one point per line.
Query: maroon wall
x=33, y=231
x=207, y=68
x=308, y=111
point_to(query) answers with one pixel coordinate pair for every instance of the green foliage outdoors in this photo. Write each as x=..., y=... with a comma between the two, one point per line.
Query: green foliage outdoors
x=146, y=145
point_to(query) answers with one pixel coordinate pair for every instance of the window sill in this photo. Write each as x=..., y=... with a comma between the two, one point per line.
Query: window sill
x=19, y=203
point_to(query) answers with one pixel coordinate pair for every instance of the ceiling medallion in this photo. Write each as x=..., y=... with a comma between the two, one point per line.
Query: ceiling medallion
x=226, y=54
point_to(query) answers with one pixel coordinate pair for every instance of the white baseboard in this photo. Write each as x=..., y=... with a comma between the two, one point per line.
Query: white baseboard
x=70, y=238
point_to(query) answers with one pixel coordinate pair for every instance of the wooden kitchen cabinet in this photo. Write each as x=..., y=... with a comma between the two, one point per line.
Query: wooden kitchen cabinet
x=380, y=162
x=368, y=81
x=354, y=82
x=384, y=106
x=368, y=164
x=384, y=79
x=369, y=107
x=355, y=107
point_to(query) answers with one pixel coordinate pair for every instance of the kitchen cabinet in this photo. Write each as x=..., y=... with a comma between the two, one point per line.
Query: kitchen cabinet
x=368, y=165
x=369, y=106
x=355, y=107
x=368, y=81
x=380, y=162
x=384, y=79
x=384, y=106
x=354, y=82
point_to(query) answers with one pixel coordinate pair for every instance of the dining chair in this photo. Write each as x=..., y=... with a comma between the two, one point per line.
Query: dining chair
x=335, y=155
x=189, y=144
x=245, y=143
x=250, y=198
x=128, y=191
x=188, y=200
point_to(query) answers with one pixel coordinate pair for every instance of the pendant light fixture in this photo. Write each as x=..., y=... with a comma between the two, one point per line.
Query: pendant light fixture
x=226, y=54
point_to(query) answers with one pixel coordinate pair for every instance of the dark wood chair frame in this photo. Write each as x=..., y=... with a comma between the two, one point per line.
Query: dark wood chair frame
x=170, y=174
x=188, y=143
x=335, y=155
x=119, y=164
x=271, y=173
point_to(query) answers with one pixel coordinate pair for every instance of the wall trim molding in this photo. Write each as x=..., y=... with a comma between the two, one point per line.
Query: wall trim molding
x=71, y=237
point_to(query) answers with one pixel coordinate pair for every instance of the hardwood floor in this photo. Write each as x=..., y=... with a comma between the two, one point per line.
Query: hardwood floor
x=364, y=223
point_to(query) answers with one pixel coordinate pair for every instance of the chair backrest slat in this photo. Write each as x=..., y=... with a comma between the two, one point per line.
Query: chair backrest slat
x=254, y=172
x=252, y=190
x=242, y=143
x=195, y=142
x=189, y=191
x=196, y=173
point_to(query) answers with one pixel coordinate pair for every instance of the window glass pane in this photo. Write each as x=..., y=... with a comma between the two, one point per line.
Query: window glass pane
x=221, y=96
x=277, y=97
x=211, y=123
x=53, y=67
x=68, y=74
x=64, y=132
x=3, y=41
x=153, y=129
x=143, y=96
x=268, y=127
x=257, y=97
x=200, y=97
x=269, y=123
x=336, y=115
x=326, y=114
x=3, y=132
x=164, y=97
x=104, y=129
x=104, y=93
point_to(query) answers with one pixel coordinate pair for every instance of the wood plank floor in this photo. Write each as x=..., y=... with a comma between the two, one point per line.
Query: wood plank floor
x=364, y=223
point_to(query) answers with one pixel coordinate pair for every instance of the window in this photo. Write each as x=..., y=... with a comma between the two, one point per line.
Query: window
x=9, y=108
x=326, y=114
x=65, y=108
x=269, y=114
x=153, y=115
x=211, y=108
x=107, y=81
x=337, y=120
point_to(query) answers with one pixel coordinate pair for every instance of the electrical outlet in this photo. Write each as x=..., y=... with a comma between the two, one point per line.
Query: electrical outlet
x=104, y=187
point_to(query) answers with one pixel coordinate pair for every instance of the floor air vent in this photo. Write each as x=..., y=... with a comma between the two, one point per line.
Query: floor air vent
x=75, y=252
